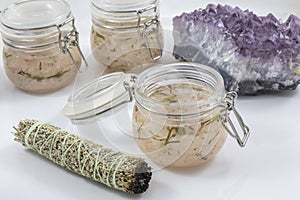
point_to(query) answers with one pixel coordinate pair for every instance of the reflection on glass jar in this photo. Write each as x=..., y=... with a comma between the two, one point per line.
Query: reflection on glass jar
x=126, y=35
x=181, y=111
x=41, y=52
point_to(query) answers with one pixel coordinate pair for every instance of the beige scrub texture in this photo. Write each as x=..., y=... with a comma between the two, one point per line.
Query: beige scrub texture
x=179, y=141
x=40, y=71
x=125, y=50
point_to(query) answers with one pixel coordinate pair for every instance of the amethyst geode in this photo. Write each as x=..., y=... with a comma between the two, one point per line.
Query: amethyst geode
x=254, y=54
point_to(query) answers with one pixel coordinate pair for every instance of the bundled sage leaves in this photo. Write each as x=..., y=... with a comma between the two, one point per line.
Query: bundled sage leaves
x=114, y=169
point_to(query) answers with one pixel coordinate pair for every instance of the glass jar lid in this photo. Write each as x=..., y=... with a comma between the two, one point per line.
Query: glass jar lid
x=99, y=97
x=32, y=14
x=35, y=19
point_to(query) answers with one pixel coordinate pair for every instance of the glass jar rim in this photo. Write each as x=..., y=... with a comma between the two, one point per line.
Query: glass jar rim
x=119, y=15
x=195, y=71
x=122, y=6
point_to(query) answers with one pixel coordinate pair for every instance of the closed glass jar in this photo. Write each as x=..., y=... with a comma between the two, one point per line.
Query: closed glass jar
x=40, y=52
x=126, y=35
x=181, y=111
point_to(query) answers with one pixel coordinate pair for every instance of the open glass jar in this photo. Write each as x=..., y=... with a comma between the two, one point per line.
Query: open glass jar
x=126, y=34
x=41, y=51
x=181, y=112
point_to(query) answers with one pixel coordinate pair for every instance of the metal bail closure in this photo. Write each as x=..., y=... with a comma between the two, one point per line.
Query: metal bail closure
x=65, y=41
x=100, y=97
x=228, y=124
x=150, y=27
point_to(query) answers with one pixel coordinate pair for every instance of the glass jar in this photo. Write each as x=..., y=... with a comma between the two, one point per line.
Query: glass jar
x=41, y=51
x=181, y=112
x=126, y=34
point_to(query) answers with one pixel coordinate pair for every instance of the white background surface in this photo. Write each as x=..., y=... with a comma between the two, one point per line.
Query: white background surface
x=268, y=168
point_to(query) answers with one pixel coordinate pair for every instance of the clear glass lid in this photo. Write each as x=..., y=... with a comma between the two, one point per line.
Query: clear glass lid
x=100, y=96
x=32, y=14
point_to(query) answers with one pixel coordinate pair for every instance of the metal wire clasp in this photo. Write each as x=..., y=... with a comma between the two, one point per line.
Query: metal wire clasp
x=150, y=27
x=65, y=41
x=228, y=124
x=129, y=85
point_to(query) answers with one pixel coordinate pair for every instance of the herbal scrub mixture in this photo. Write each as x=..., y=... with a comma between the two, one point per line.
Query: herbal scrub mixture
x=40, y=71
x=126, y=35
x=181, y=114
x=41, y=50
x=123, y=51
x=179, y=140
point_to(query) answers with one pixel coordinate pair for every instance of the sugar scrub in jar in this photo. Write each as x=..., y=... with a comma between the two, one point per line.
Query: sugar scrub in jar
x=41, y=51
x=181, y=115
x=126, y=35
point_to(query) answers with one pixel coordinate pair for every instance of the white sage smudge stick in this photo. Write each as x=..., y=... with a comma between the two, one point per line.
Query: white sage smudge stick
x=114, y=169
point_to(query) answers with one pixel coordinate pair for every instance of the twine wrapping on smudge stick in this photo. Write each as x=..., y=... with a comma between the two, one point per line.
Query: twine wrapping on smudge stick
x=114, y=169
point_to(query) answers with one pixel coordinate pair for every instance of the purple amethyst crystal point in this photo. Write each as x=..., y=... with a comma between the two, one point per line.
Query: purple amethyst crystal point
x=254, y=54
